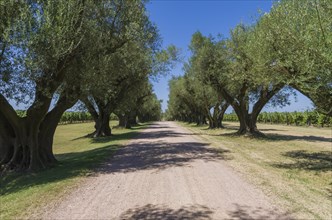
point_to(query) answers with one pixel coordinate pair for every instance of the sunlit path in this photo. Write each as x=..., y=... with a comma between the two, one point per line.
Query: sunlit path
x=166, y=173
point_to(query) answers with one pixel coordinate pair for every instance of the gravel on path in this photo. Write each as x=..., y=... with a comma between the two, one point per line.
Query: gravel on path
x=166, y=172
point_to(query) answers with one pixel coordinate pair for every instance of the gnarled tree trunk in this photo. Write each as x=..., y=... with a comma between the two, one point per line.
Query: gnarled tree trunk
x=102, y=124
x=220, y=115
x=22, y=146
x=132, y=118
x=248, y=121
x=20, y=139
x=26, y=143
x=124, y=120
x=215, y=119
x=200, y=119
x=101, y=117
x=7, y=140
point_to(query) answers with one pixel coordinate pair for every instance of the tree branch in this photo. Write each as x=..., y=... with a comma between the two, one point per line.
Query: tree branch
x=8, y=111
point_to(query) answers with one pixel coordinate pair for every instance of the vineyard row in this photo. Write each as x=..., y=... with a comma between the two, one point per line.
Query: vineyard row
x=72, y=117
x=307, y=118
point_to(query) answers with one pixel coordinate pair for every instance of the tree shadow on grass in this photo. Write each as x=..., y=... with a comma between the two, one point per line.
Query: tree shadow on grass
x=225, y=128
x=271, y=136
x=329, y=191
x=114, y=137
x=270, y=129
x=257, y=213
x=282, y=137
x=122, y=136
x=304, y=160
x=277, y=137
x=154, y=212
x=70, y=165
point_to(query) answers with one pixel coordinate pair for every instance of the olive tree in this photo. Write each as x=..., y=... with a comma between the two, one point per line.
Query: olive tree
x=182, y=104
x=149, y=109
x=48, y=52
x=295, y=39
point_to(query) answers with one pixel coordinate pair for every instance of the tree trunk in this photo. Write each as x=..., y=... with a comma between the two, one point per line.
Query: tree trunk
x=200, y=119
x=7, y=137
x=21, y=135
x=248, y=122
x=215, y=120
x=23, y=150
x=27, y=143
x=49, y=125
x=125, y=121
x=132, y=120
x=101, y=118
x=212, y=124
x=102, y=125
x=221, y=115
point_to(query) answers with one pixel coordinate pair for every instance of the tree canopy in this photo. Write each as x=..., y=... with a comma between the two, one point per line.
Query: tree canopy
x=54, y=53
x=288, y=48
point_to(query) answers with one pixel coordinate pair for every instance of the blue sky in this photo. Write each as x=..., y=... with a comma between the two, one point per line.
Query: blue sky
x=177, y=20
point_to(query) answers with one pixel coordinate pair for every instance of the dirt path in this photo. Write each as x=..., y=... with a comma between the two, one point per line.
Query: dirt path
x=166, y=173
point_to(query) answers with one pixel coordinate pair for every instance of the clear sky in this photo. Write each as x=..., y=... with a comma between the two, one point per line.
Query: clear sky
x=177, y=20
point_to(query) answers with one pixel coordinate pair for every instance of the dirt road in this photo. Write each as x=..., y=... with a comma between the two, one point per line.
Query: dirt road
x=166, y=173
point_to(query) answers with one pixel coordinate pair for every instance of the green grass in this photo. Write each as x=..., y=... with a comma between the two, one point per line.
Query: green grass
x=22, y=194
x=293, y=165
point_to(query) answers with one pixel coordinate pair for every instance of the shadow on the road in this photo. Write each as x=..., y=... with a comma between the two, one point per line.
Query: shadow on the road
x=162, y=155
x=163, y=134
x=153, y=212
x=148, y=153
x=152, y=135
x=252, y=213
x=199, y=212
x=159, y=126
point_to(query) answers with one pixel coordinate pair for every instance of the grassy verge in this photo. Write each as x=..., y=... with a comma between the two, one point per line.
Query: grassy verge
x=23, y=194
x=293, y=165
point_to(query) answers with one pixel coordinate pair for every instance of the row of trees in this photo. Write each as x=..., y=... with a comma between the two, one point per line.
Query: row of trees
x=54, y=53
x=288, y=48
x=75, y=117
x=150, y=110
x=307, y=118
x=147, y=108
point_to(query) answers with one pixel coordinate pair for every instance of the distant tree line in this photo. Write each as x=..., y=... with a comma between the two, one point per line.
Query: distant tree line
x=55, y=53
x=150, y=112
x=307, y=118
x=262, y=64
